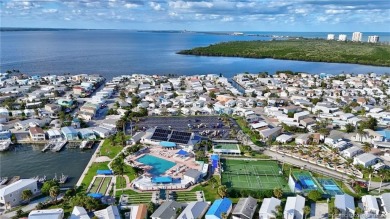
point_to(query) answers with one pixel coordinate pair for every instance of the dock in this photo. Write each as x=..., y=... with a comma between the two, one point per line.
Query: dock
x=58, y=146
x=54, y=146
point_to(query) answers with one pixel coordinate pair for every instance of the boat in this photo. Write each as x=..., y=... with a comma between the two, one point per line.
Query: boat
x=87, y=144
x=3, y=180
x=42, y=180
x=4, y=145
x=63, y=179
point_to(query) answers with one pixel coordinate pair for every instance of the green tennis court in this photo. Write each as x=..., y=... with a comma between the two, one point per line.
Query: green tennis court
x=226, y=146
x=252, y=174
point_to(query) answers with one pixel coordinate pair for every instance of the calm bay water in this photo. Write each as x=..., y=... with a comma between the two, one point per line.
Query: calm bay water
x=116, y=52
x=28, y=161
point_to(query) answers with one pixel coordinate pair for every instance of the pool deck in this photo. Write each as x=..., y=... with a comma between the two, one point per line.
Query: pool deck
x=176, y=171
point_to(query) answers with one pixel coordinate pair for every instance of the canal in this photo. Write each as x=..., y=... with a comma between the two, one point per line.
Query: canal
x=28, y=161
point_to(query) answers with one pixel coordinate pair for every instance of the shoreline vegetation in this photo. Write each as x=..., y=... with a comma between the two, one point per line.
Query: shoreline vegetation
x=313, y=50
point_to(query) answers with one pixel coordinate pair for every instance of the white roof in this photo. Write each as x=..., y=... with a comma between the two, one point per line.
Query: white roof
x=294, y=204
x=303, y=113
x=284, y=137
x=370, y=203
x=111, y=212
x=16, y=186
x=366, y=157
x=269, y=205
x=259, y=125
x=79, y=213
x=57, y=213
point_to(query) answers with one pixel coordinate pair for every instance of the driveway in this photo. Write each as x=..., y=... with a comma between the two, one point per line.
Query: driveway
x=319, y=210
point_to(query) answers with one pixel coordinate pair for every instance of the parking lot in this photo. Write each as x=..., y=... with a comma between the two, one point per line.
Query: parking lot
x=206, y=126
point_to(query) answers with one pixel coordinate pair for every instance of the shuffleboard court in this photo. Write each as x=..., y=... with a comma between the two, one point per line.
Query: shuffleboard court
x=252, y=174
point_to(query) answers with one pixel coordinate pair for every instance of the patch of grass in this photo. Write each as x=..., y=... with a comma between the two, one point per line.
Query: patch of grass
x=120, y=182
x=107, y=149
x=210, y=193
x=245, y=128
x=130, y=172
x=92, y=172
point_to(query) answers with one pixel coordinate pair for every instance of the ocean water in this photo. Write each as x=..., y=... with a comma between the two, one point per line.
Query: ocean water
x=115, y=52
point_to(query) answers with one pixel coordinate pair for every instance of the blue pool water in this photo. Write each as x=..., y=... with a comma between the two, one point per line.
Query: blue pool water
x=159, y=165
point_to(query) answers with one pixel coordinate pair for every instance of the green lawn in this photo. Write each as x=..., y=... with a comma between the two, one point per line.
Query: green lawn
x=120, y=182
x=92, y=172
x=135, y=197
x=129, y=171
x=210, y=193
x=108, y=150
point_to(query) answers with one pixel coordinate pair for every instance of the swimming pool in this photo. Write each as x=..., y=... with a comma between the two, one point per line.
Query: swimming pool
x=159, y=165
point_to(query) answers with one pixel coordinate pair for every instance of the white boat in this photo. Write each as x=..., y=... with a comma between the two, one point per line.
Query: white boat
x=4, y=145
x=3, y=180
x=63, y=179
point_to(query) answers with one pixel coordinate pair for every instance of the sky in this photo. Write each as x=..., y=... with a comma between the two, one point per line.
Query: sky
x=200, y=15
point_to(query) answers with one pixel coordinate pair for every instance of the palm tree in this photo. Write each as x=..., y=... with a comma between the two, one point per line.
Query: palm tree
x=213, y=182
x=366, y=147
x=358, y=211
x=383, y=174
x=369, y=171
x=222, y=190
x=278, y=192
x=349, y=161
x=54, y=192
x=306, y=211
x=26, y=195
x=361, y=133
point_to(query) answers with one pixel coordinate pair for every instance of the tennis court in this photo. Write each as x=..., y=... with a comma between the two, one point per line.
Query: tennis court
x=306, y=180
x=252, y=174
x=330, y=186
x=226, y=146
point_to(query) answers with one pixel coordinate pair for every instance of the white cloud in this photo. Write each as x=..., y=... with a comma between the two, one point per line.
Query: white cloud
x=50, y=10
x=130, y=5
x=156, y=6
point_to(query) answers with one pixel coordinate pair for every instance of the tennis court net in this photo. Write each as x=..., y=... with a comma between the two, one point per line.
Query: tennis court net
x=250, y=173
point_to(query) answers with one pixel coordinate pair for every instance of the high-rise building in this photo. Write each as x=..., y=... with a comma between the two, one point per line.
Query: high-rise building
x=373, y=39
x=342, y=37
x=330, y=36
x=357, y=36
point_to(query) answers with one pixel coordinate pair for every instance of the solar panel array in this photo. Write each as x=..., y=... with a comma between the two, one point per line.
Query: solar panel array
x=180, y=137
x=161, y=134
x=176, y=136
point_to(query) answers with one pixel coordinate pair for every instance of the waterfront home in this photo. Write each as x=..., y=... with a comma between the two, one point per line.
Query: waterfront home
x=54, y=134
x=219, y=207
x=370, y=206
x=86, y=133
x=366, y=160
x=245, y=208
x=111, y=212
x=56, y=213
x=70, y=133
x=192, y=175
x=110, y=124
x=101, y=132
x=11, y=195
x=345, y=204
x=168, y=210
x=294, y=207
x=268, y=208
x=194, y=210
x=37, y=133
x=5, y=133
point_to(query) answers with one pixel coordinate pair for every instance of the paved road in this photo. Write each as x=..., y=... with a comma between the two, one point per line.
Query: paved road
x=319, y=169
